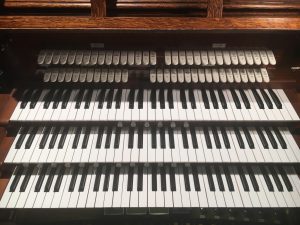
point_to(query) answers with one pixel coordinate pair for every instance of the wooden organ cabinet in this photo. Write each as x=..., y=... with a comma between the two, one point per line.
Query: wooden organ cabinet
x=149, y=112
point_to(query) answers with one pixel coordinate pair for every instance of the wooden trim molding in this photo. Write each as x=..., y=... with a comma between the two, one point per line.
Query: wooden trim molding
x=98, y=8
x=79, y=23
x=214, y=8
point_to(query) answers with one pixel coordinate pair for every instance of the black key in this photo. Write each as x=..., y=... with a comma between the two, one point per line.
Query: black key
x=196, y=178
x=183, y=99
x=262, y=138
x=40, y=179
x=172, y=179
x=280, y=138
x=116, y=179
x=276, y=179
x=285, y=178
x=117, y=137
x=170, y=99
x=48, y=98
x=216, y=137
x=207, y=138
x=109, y=98
x=162, y=138
x=235, y=99
x=23, y=131
x=184, y=138
x=192, y=99
x=26, y=179
x=210, y=179
x=153, y=137
x=140, y=98
x=26, y=98
x=73, y=179
x=258, y=99
x=140, y=137
x=163, y=181
x=31, y=138
x=87, y=98
x=253, y=179
x=59, y=179
x=161, y=99
x=154, y=178
x=63, y=138
x=118, y=98
x=171, y=138
x=131, y=137
x=97, y=179
x=153, y=99
x=245, y=99
x=267, y=179
x=100, y=98
x=16, y=180
x=76, y=138
x=228, y=179
x=130, y=179
x=243, y=179
x=222, y=99
x=86, y=137
x=186, y=179
x=78, y=98
x=194, y=138
x=45, y=137
x=214, y=99
x=271, y=138
x=131, y=98
x=140, y=179
x=108, y=137
x=205, y=99
x=83, y=178
x=266, y=98
x=99, y=137
x=57, y=98
x=225, y=138
x=248, y=138
x=65, y=98
x=219, y=178
x=54, y=137
x=239, y=137
x=275, y=99
x=50, y=179
x=35, y=97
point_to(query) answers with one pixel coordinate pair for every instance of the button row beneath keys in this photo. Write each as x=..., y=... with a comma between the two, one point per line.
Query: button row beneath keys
x=209, y=75
x=109, y=186
x=153, y=144
x=219, y=57
x=95, y=57
x=85, y=75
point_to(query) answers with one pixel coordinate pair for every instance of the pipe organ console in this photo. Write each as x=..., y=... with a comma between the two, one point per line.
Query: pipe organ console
x=149, y=112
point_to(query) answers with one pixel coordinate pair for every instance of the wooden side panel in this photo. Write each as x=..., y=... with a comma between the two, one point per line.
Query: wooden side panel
x=98, y=8
x=215, y=8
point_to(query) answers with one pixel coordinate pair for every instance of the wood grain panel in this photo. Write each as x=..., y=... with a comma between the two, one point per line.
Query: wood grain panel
x=99, y=8
x=259, y=4
x=47, y=3
x=143, y=24
x=215, y=8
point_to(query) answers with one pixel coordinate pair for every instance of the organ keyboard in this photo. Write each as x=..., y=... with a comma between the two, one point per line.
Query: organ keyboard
x=184, y=121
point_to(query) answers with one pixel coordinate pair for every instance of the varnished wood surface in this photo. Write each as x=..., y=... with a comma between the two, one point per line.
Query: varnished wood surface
x=144, y=24
x=6, y=111
x=47, y=3
x=265, y=4
x=215, y=8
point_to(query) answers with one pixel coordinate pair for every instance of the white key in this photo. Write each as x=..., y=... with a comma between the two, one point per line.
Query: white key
x=109, y=194
x=174, y=57
x=168, y=58
x=213, y=112
x=249, y=57
x=212, y=201
x=160, y=198
x=166, y=111
x=215, y=151
x=219, y=57
x=189, y=110
x=271, y=57
x=219, y=194
x=253, y=194
x=201, y=147
x=135, y=150
x=248, y=151
x=168, y=192
x=177, y=199
x=150, y=192
x=181, y=110
x=202, y=197
x=234, y=57
x=241, y=57
x=286, y=103
x=143, y=194
x=182, y=58
x=226, y=57
x=228, y=195
x=200, y=105
x=125, y=192
x=189, y=57
x=294, y=179
x=167, y=151
x=174, y=112
x=88, y=114
x=179, y=144
x=193, y=193
x=83, y=194
x=99, y=201
x=91, y=197
x=191, y=151
x=223, y=151
x=247, y=201
x=159, y=156
x=117, y=193
x=197, y=58
x=229, y=111
x=240, y=151
x=231, y=104
x=158, y=111
x=292, y=145
x=185, y=197
x=245, y=112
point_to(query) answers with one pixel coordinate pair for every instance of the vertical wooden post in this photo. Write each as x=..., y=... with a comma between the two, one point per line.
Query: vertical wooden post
x=98, y=8
x=214, y=8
